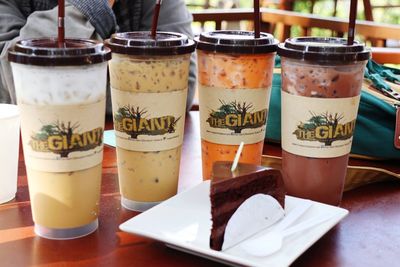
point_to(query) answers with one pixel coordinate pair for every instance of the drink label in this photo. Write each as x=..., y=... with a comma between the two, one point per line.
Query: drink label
x=230, y=116
x=63, y=138
x=149, y=121
x=318, y=127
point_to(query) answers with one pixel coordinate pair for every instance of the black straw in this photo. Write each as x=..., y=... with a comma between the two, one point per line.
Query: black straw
x=155, y=19
x=352, y=22
x=257, y=18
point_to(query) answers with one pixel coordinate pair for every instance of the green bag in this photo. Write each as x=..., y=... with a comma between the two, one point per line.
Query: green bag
x=376, y=119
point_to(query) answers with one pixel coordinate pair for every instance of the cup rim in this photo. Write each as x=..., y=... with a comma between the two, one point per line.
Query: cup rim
x=13, y=109
x=45, y=52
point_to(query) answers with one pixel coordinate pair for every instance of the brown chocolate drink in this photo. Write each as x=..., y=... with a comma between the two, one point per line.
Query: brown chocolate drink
x=321, y=85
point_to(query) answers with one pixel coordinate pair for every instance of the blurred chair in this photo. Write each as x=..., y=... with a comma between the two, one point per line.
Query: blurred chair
x=386, y=55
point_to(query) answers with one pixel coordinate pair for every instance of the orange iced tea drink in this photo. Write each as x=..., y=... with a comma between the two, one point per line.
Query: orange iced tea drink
x=235, y=76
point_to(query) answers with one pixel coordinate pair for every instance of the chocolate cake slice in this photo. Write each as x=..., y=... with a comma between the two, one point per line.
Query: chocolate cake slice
x=229, y=190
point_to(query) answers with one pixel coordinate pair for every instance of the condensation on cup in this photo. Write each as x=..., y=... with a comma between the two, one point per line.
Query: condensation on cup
x=321, y=86
x=61, y=94
x=235, y=72
x=149, y=86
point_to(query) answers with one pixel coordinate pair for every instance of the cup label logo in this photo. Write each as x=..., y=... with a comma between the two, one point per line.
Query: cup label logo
x=325, y=128
x=318, y=127
x=229, y=116
x=130, y=119
x=63, y=138
x=235, y=116
x=149, y=121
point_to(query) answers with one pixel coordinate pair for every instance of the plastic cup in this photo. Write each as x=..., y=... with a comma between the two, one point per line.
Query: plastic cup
x=149, y=83
x=321, y=85
x=9, y=143
x=235, y=72
x=61, y=95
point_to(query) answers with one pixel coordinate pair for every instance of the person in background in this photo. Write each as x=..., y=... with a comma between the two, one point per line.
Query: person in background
x=94, y=19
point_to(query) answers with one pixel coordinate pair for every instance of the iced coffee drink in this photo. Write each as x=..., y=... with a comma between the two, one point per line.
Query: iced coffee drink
x=149, y=81
x=61, y=94
x=235, y=77
x=321, y=85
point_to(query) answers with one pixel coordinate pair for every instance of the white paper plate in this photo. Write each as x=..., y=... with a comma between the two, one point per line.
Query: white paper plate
x=184, y=222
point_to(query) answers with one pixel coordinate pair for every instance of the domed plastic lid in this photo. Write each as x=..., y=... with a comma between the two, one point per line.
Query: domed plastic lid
x=45, y=52
x=323, y=50
x=236, y=42
x=142, y=43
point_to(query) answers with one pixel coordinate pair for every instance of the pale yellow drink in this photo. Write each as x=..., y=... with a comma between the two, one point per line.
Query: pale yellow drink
x=148, y=177
x=149, y=99
x=62, y=203
x=62, y=103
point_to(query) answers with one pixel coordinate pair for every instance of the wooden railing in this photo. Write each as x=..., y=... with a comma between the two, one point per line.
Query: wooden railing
x=379, y=32
x=368, y=29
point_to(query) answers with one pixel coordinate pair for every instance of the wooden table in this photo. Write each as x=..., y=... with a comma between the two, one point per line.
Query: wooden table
x=368, y=236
